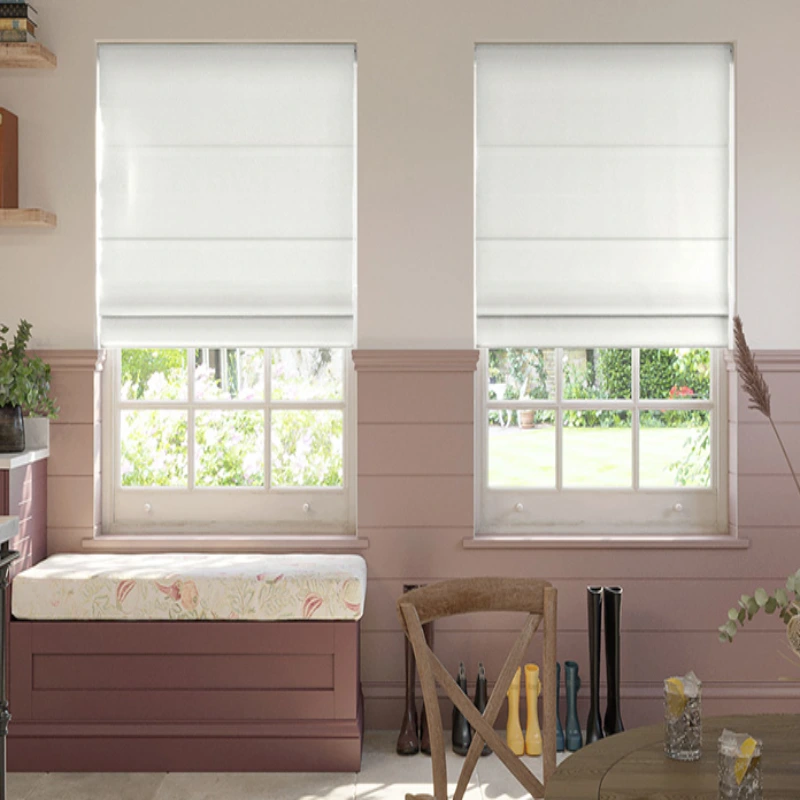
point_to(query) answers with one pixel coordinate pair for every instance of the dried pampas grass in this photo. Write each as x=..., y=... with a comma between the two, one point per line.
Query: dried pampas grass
x=752, y=379
x=755, y=385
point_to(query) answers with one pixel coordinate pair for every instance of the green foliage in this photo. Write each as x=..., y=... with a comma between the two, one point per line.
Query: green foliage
x=613, y=373
x=24, y=380
x=230, y=448
x=786, y=601
x=139, y=367
x=578, y=385
x=694, y=469
x=307, y=448
x=153, y=448
x=229, y=443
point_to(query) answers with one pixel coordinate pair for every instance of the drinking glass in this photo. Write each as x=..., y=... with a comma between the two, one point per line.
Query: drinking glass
x=683, y=720
x=739, y=759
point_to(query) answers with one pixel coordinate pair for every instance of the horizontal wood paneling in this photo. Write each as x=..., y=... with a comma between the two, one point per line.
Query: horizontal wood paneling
x=184, y=637
x=71, y=501
x=445, y=449
x=74, y=394
x=760, y=452
x=415, y=397
x=646, y=656
x=169, y=705
x=784, y=392
x=428, y=553
x=382, y=713
x=74, y=449
x=181, y=672
x=419, y=501
x=648, y=605
x=301, y=749
x=768, y=500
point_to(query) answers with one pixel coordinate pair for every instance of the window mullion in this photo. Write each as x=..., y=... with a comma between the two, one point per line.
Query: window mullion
x=267, y=418
x=190, y=420
x=635, y=416
x=559, y=420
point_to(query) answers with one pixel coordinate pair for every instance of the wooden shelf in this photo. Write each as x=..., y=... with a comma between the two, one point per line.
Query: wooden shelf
x=26, y=218
x=26, y=55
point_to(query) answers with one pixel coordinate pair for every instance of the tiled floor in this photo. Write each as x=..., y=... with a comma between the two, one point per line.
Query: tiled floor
x=383, y=775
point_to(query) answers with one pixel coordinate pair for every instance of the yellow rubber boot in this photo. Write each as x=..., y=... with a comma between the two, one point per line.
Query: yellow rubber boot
x=533, y=733
x=514, y=737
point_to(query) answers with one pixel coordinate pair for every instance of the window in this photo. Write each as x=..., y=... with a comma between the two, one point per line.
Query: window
x=604, y=286
x=226, y=258
x=232, y=436
x=566, y=432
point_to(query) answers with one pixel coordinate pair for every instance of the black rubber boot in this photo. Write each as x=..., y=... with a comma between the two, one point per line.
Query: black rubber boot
x=612, y=602
x=462, y=735
x=594, y=603
x=481, y=698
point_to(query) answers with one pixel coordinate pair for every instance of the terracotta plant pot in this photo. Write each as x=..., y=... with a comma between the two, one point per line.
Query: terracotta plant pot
x=12, y=430
x=526, y=418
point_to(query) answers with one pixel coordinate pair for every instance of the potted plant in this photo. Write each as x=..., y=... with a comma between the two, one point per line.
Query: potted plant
x=529, y=377
x=24, y=388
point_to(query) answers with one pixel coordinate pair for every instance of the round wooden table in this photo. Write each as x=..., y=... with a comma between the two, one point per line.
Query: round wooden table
x=633, y=765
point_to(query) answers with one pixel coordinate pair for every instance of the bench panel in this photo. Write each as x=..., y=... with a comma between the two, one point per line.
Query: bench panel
x=272, y=690
x=134, y=671
x=158, y=637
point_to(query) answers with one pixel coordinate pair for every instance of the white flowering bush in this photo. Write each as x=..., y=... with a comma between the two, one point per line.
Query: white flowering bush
x=305, y=444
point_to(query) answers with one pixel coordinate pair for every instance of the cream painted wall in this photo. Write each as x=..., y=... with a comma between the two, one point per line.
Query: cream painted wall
x=415, y=218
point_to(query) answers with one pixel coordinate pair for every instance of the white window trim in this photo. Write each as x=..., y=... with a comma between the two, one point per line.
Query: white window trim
x=221, y=512
x=608, y=512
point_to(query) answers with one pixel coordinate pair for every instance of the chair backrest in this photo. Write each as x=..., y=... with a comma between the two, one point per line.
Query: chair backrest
x=464, y=596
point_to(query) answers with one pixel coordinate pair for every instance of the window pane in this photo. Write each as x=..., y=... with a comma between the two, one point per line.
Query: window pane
x=516, y=374
x=154, y=375
x=236, y=374
x=597, y=449
x=229, y=448
x=522, y=448
x=683, y=374
x=154, y=448
x=597, y=374
x=307, y=374
x=307, y=448
x=675, y=448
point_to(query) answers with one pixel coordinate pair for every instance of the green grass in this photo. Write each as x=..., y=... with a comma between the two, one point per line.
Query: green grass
x=593, y=457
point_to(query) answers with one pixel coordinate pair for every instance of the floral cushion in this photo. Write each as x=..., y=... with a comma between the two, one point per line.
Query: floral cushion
x=192, y=586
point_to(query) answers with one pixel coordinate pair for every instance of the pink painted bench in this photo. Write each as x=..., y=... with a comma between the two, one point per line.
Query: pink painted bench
x=184, y=695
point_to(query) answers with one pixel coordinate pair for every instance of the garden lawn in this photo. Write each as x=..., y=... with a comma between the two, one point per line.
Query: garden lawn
x=593, y=457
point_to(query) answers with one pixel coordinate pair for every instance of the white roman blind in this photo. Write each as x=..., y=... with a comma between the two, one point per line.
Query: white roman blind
x=603, y=195
x=226, y=194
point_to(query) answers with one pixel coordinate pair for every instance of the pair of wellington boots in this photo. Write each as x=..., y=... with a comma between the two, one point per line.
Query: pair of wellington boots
x=531, y=742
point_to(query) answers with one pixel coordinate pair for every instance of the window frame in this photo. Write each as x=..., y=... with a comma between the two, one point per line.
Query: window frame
x=652, y=511
x=220, y=511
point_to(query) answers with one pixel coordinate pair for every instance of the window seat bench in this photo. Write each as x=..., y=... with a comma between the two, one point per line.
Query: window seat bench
x=187, y=662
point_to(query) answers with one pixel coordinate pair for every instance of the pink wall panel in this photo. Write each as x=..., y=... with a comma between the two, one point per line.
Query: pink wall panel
x=416, y=508
x=418, y=397
x=415, y=449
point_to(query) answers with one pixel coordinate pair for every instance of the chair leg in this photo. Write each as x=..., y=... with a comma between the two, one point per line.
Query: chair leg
x=424, y=733
x=407, y=740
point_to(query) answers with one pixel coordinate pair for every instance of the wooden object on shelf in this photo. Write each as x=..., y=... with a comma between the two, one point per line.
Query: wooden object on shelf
x=9, y=161
x=27, y=55
x=26, y=218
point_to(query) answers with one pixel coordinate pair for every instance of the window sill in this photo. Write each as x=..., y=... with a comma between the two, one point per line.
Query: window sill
x=721, y=542
x=149, y=543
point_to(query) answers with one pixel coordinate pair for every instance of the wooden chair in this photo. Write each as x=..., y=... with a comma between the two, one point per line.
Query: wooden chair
x=465, y=596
